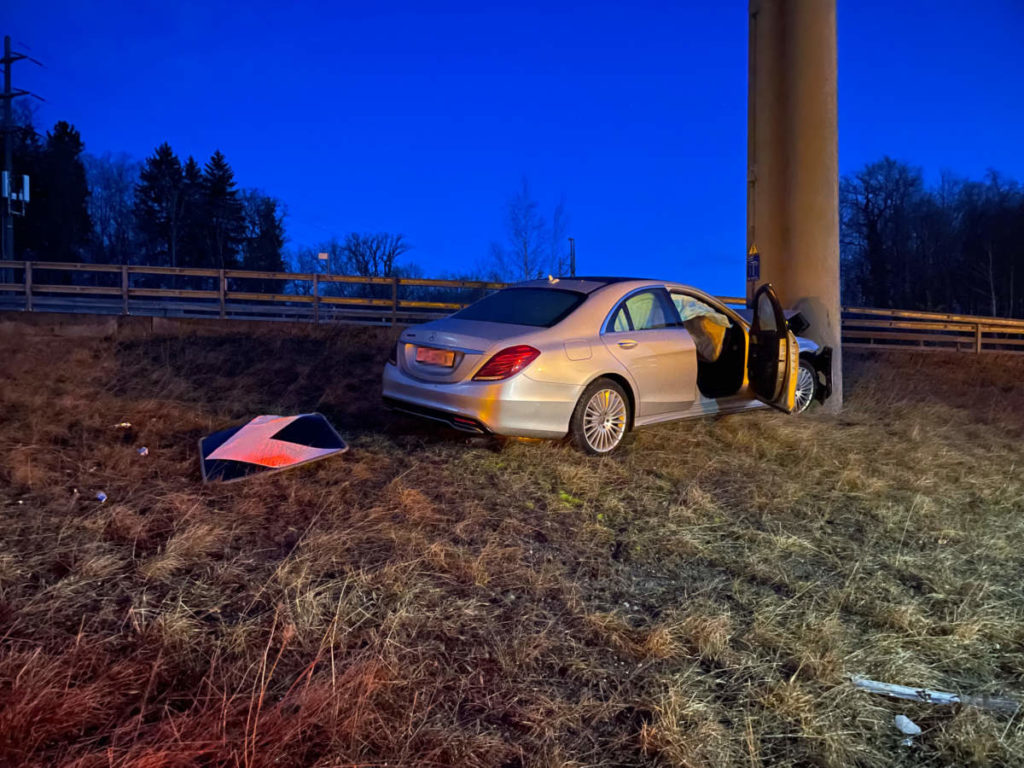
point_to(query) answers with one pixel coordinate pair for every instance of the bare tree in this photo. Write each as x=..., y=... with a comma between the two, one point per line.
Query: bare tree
x=307, y=259
x=532, y=247
x=878, y=205
x=954, y=247
x=365, y=255
x=559, y=232
x=112, y=179
x=373, y=255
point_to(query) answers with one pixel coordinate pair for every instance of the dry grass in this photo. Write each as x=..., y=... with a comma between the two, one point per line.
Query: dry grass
x=428, y=601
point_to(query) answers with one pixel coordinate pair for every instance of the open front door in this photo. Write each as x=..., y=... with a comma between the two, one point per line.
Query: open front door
x=774, y=357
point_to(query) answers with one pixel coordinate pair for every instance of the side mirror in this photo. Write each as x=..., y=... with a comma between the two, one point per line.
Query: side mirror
x=798, y=324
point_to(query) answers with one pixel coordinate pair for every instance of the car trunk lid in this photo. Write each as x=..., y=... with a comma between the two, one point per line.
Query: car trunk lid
x=470, y=343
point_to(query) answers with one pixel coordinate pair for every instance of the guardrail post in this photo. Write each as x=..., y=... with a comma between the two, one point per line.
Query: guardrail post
x=394, y=301
x=316, y=298
x=28, y=285
x=222, y=290
x=124, y=289
x=977, y=338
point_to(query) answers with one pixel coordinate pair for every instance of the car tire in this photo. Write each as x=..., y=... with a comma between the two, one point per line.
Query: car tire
x=601, y=419
x=806, y=386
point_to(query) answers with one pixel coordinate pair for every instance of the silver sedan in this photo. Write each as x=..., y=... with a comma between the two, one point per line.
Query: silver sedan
x=593, y=358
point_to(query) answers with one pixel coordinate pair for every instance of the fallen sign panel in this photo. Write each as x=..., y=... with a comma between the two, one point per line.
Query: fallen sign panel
x=267, y=444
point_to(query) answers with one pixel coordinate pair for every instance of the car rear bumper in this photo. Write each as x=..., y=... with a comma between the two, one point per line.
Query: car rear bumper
x=520, y=406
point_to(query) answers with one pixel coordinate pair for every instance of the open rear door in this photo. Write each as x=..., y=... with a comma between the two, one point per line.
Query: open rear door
x=774, y=357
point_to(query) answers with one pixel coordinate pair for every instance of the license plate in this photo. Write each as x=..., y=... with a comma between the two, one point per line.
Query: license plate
x=431, y=356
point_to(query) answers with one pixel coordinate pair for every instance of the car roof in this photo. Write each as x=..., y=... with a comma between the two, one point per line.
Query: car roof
x=588, y=285
x=581, y=283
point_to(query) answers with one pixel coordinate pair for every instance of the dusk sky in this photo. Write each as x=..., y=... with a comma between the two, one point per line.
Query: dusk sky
x=422, y=118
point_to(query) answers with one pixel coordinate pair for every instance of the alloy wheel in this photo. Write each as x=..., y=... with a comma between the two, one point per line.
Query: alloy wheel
x=604, y=420
x=804, y=388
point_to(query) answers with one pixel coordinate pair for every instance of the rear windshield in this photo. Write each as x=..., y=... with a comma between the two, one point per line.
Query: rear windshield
x=539, y=307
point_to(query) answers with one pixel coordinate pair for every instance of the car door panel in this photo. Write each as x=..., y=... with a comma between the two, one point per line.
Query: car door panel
x=662, y=361
x=774, y=356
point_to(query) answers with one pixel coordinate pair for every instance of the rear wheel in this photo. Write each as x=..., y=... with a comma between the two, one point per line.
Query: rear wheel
x=601, y=418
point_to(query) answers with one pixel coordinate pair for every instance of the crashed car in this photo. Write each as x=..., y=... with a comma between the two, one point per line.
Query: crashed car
x=592, y=358
x=814, y=376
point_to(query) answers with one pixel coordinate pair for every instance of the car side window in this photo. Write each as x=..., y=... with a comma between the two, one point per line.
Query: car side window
x=690, y=308
x=620, y=321
x=648, y=312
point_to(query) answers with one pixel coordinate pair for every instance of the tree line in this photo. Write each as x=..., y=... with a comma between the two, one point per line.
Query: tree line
x=174, y=212
x=161, y=212
x=164, y=212
x=954, y=246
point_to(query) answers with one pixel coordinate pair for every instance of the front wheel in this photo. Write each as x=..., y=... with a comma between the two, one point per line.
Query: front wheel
x=601, y=418
x=806, y=386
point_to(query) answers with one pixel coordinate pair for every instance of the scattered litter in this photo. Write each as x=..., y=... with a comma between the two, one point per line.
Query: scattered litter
x=267, y=444
x=123, y=425
x=1008, y=706
x=101, y=497
x=143, y=451
x=908, y=728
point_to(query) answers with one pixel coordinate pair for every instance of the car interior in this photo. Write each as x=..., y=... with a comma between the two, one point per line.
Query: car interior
x=721, y=346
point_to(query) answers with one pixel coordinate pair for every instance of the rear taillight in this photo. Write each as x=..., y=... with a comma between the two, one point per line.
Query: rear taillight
x=509, y=361
x=393, y=357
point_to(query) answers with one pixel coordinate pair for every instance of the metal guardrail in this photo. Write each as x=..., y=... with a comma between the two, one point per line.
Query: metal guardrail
x=865, y=328
x=235, y=294
x=230, y=293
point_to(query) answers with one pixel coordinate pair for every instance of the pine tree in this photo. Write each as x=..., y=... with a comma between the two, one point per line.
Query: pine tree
x=264, y=233
x=225, y=220
x=59, y=227
x=193, y=215
x=158, y=206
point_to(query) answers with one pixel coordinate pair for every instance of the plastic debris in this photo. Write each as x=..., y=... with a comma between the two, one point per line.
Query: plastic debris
x=123, y=425
x=143, y=451
x=101, y=497
x=908, y=728
x=928, y=696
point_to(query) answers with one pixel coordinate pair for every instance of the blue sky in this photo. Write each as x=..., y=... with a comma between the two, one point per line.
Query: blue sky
x=422, y=118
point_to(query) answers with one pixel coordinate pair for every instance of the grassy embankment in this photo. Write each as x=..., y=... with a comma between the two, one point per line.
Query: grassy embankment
x=424, y=601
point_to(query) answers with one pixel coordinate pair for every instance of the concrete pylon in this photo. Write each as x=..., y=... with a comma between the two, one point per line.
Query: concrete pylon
x=793, y=164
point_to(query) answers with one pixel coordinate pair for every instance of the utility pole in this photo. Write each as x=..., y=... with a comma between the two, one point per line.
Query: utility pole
x=793, y=165
x=9, y=95
x=572, y=256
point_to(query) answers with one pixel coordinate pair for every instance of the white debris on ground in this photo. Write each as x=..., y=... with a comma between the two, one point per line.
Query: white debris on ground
x=908, y=728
